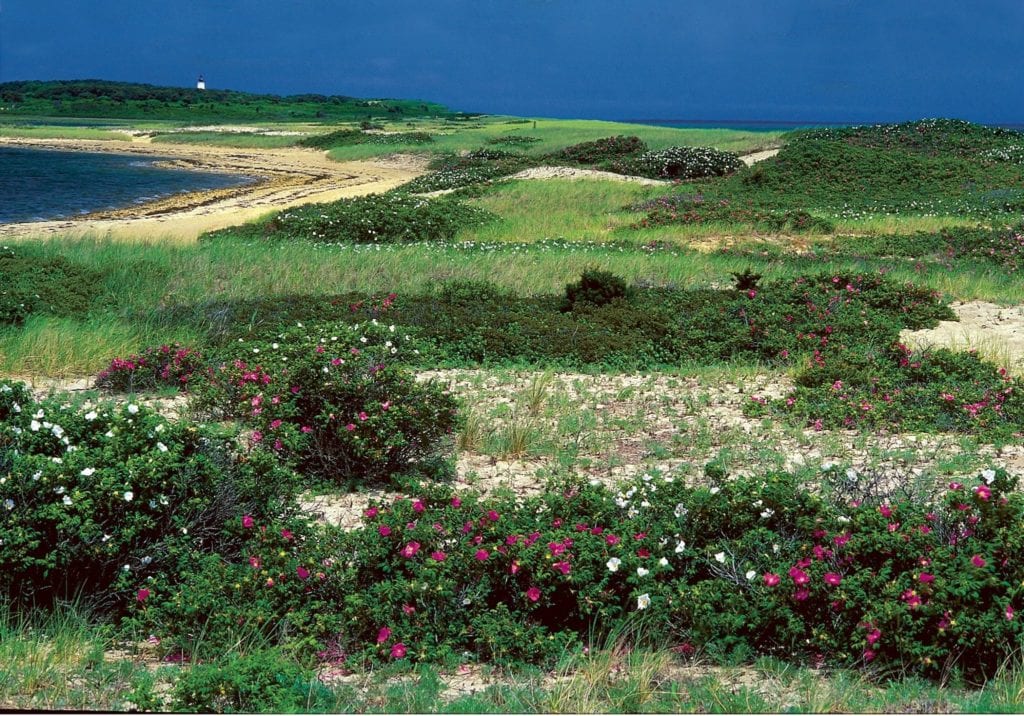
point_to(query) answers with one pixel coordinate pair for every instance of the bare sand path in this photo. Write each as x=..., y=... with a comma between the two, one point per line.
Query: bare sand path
x=283, y=177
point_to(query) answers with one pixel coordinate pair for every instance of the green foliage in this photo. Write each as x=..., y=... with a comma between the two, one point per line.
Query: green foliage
x=514, y=140
x=595, y=287
x=349, y=137
x=375, y=218
x=900, y=390
x=689, y=209
x=750, y=566
x=455, y=171
x=96, y=500
x=334, y=400
x=1003, y=247
x=263, y=681
x=681, y=163
x=851, y=178
x=100, y=98
x=932, y=137
x=598, y=151
x=33, y=284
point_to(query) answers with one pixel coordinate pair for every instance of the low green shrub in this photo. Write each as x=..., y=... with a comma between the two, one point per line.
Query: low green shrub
x=931, y=137
x=514, y=140
x=1003, y=247
x=334, y=400
x=694, y=210
x=169, y=365
x=98, y=499
x=32, y=283
x=349, y=137
x=375, y=218
x=901, y=390
x=260, y=682
x=598, y=151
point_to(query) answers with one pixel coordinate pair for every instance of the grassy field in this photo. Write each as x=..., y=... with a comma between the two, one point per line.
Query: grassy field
x=531, y=426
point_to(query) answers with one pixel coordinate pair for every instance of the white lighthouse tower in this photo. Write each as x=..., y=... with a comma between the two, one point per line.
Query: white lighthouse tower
x=200, y=83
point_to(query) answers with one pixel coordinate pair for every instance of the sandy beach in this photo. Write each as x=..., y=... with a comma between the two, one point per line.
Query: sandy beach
x=284, y=177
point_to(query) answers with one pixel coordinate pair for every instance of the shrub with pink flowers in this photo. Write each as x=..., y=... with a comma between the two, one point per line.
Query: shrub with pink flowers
x=96, y=500
x=845, y=576
x=169, y=365
x=335, y=400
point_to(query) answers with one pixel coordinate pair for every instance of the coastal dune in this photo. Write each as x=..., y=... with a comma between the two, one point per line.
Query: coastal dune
x=283, y=177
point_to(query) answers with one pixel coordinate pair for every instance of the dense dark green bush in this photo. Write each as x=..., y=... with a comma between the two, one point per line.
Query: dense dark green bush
x=33, y=284
x=96, y=500
x=375, y=218
x=595, y=287
x=598, y=151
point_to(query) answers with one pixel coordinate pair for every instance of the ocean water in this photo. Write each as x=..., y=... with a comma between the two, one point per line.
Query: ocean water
x=40, y=184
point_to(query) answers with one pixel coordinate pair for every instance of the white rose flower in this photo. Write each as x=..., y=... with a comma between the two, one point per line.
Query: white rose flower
x=613, y=564
x=720, y=557
x=643, y=601
x=641, y=572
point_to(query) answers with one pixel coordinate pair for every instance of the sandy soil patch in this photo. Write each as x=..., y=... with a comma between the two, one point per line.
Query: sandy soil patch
x=755, y=157
x=995, y=332
x=283, y=177
x=576, y=173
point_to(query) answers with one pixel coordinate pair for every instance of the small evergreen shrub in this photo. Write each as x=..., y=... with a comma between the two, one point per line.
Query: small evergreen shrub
x=334, y=400
x=169, y=365
x=595, y=287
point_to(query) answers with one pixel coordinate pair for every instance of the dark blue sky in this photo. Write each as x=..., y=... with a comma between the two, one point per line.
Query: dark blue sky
x=838, y=60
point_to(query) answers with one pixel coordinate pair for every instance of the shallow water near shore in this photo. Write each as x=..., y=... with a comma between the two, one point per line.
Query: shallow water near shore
x=40, y=184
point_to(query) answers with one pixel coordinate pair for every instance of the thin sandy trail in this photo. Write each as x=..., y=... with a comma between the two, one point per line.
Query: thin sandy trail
x=283, y=177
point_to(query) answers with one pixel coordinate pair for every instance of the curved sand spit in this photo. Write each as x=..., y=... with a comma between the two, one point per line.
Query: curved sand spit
x=284, y=177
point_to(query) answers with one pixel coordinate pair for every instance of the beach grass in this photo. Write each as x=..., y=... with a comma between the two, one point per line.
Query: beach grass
x=243, y=140
x=59, y=132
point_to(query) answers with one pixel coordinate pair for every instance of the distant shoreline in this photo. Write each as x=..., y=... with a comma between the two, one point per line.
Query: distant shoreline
x=766, y=125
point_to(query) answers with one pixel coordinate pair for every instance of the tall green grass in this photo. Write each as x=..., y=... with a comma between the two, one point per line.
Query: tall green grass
x=243, y=140
x=56, y=132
